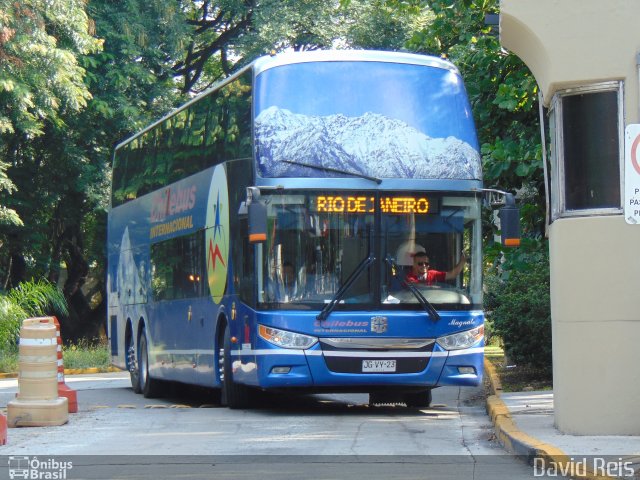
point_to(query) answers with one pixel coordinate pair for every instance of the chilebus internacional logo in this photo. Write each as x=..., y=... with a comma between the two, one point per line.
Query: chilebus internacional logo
x=217, y=237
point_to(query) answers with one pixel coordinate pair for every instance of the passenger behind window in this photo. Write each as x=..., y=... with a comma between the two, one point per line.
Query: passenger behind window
x=284, y=289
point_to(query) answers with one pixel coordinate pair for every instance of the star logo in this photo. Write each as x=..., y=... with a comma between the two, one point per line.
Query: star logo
x=214, y=254
x=217, y=234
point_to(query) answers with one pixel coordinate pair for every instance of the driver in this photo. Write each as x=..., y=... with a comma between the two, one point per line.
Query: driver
x=420, y=272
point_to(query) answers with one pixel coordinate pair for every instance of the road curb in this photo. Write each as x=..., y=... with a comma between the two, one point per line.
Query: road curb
x=519, y=443
x=71, y=371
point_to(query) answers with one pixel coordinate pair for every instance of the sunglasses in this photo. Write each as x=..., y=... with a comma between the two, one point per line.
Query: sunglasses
x=422, y=264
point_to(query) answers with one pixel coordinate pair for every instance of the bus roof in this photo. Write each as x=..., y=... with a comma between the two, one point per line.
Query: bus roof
x=287, y=58
x=270, y=61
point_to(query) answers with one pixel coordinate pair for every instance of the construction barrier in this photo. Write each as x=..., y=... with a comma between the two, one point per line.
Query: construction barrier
x=63, y=389
x=37, y=403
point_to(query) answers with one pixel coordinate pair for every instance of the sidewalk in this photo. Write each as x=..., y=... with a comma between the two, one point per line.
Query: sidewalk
x=524, y=425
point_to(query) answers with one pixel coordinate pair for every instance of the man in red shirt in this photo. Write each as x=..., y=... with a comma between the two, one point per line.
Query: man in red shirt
x=421, y=274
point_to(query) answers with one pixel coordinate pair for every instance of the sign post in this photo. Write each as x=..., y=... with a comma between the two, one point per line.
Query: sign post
x=632, y=174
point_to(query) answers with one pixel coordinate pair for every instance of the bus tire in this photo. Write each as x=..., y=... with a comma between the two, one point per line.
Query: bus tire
x=149, y=387
x=421, y=399
x=133, y=366
x=233, y=394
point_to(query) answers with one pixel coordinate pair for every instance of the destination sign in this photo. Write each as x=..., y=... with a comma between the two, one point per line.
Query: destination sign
x=400, y=204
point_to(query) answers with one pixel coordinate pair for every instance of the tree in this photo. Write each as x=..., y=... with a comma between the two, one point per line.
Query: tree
x=503, y=96
x=71, y=88
x=60, y=165
x=229, y=34
x=40, y=81
x=39, y=73
x=132, y=84
x=8, y=216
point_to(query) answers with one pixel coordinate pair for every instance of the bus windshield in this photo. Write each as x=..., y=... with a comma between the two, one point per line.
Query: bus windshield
x=317, y=242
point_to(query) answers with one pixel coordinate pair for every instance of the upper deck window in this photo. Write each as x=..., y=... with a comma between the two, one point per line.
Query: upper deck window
x=209, y=131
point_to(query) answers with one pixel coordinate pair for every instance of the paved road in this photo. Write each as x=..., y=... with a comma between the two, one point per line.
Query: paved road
x=184, y=435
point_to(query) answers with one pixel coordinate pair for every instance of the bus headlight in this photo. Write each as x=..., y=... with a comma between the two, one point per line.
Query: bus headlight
x=286, y=339
x=461, y=340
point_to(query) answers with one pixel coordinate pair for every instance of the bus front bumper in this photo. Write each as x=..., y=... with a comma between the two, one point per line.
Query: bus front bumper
x=278, y=368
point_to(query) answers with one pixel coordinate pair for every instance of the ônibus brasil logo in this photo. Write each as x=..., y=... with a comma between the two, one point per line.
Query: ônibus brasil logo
x=35, y=468
x=217, y=236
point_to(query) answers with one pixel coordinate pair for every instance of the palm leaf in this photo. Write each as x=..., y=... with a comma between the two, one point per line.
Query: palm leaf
x=40, y=298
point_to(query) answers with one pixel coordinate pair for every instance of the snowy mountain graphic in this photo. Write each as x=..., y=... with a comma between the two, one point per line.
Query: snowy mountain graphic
x=130, y=276
x=371, y=144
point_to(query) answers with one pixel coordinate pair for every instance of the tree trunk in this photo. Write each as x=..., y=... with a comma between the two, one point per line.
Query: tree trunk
x=83, y=322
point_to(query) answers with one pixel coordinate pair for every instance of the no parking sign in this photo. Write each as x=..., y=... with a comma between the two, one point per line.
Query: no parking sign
x=632, y=174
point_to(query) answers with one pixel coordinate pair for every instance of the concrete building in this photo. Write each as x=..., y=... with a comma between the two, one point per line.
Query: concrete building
x=584, y=55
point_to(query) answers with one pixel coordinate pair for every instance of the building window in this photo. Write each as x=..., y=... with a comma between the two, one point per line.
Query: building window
x=587, y=133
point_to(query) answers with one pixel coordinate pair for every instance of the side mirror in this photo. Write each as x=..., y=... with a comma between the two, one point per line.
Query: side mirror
x=509, y=216
x=257, y=212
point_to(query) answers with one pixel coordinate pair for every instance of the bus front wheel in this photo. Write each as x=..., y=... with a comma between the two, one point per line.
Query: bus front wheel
x=233, y=395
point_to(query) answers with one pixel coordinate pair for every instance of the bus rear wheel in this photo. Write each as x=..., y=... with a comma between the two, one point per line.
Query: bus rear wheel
x=233, y=394
x=132, y=365
x=421, y=399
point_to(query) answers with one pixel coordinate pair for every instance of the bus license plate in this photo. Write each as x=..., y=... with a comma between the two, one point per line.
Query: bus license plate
x=378, y=365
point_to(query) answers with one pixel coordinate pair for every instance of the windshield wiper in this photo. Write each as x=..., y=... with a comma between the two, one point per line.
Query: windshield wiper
x=328, y=308
x=334, y=170
x=430, y=309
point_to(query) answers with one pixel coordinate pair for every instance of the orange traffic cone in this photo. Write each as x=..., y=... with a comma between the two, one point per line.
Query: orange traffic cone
x=63, y=389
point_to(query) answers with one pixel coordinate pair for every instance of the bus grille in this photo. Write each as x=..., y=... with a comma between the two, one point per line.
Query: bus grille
x=350, y=360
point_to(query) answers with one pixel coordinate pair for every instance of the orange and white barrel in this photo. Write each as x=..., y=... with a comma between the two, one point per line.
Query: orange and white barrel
x=38, y=360
x=37, y=402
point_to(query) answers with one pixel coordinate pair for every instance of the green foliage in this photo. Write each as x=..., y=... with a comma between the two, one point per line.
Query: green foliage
x=7, y=215
x=503, y=96
x=77, y=77
x=518, y=304
x=30, y=299
x=9, y=358
x=62, y=176
x=39, y=298
x=41, y=87
x=11, y=316
x=39, y=71
x=86, y=355
x=230, y=34
x=502, y=262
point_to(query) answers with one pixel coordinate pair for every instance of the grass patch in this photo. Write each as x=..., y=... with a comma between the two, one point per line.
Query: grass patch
x=517, y=378
x=493, y=352
x=79, y=356
x=9, y=359
x=85, y=355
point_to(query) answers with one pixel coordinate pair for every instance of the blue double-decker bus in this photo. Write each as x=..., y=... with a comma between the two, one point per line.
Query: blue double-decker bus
x=312, y=224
